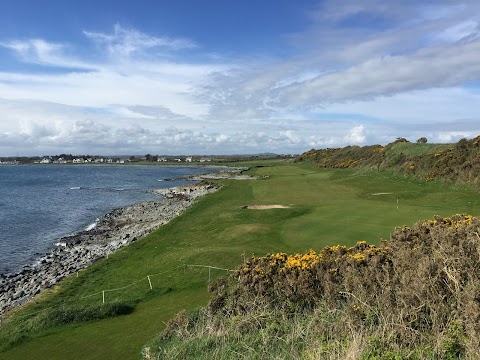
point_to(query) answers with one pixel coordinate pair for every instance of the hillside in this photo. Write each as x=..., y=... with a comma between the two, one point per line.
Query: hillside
x=459, y=163
x=415, y=296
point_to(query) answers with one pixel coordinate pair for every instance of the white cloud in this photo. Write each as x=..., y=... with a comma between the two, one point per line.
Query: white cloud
x=459, y=31
x=454, y=136
x=386, y=49
x=34, y=49
x=423, y=109
x=127, y=42
x=356, y=136
x=42, y=52
x=434, y=67
x=359, y=73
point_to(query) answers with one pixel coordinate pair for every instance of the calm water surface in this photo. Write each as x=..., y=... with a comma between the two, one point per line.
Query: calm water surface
x=39, y=204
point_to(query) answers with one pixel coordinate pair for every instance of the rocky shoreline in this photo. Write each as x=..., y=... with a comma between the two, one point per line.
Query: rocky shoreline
x=113, y=231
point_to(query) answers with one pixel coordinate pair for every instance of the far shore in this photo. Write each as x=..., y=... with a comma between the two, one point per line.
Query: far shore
x=113, y=231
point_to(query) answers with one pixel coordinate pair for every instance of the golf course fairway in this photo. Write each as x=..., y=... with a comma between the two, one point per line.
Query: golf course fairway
x=313, y=208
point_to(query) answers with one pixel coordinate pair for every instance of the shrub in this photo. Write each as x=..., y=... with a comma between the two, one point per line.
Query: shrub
x=415, y=296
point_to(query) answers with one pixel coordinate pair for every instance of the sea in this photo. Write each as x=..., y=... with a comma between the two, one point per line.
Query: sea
x=39, y=204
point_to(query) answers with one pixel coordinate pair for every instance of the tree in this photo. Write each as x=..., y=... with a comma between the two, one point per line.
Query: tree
x=422, y=140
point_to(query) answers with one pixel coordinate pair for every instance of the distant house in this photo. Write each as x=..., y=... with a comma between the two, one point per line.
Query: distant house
x=177, y=160
x=205, y=160
x=60, y=161
x=161, y=159
x=188, y=159
x=45, y=161
x=78, y=161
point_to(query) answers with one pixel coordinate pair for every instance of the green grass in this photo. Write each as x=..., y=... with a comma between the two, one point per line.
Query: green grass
x=326, y=207
x=413, y=149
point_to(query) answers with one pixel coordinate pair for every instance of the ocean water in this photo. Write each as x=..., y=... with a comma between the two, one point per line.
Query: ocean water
x=39, y=204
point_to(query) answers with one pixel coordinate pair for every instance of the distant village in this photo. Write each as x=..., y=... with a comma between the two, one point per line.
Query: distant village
x=132, y=159
x=80, y=159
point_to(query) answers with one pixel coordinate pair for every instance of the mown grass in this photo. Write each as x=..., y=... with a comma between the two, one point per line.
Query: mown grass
x=327, y=207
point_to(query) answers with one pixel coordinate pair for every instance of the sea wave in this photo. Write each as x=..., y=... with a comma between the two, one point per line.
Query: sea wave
x=92, y=225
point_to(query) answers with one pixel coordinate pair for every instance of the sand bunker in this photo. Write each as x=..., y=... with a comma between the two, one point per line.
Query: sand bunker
x=381, y=193
x=264, y=207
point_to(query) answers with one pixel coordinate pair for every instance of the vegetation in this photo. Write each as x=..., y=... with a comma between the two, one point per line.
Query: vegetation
x=416, y=295
x=457, y=163
x=326, y=206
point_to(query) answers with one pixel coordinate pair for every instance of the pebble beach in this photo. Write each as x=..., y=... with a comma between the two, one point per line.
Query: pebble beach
x=116, y=229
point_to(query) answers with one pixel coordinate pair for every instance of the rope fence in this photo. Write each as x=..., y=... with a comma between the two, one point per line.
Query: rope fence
x=147, y=279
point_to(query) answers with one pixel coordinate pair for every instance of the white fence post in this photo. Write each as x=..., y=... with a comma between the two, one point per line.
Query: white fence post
x=103, y=296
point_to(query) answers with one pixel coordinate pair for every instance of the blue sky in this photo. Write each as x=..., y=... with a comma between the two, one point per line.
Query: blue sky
x=223, y=77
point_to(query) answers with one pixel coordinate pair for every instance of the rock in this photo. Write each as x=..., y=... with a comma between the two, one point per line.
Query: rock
x=18, y=294
x=116, y=229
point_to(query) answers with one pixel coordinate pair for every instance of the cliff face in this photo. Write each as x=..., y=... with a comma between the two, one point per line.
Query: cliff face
x=458, y=162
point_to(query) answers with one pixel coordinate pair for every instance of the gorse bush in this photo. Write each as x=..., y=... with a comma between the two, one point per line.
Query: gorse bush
x=416, y=296
x=295, y=282
x=458, y=162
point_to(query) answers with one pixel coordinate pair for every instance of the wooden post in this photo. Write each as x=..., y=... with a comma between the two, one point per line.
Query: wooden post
x=148, y=277
x=103, y=296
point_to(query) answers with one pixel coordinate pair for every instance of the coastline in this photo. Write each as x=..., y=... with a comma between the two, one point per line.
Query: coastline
x=115, y=230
